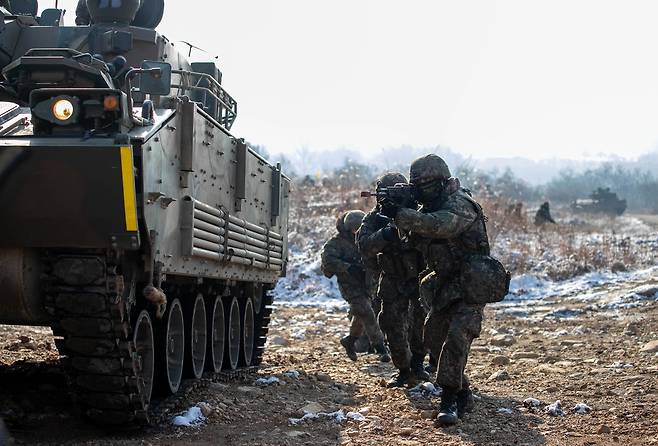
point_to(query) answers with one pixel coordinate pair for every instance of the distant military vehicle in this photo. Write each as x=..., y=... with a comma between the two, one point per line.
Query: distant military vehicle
x=601, y=201
x=133, y=222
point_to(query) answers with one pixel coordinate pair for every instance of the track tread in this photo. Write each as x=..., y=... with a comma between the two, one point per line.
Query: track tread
x=85, y=294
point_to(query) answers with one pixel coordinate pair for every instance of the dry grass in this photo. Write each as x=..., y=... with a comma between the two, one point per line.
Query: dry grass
x=575, y=246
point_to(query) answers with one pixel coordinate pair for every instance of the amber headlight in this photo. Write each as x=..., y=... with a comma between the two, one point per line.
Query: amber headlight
x=62, y=110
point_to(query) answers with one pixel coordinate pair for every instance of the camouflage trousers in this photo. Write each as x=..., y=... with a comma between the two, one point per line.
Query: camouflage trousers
x=401, y=318
x=364, y=320
x=448, y=334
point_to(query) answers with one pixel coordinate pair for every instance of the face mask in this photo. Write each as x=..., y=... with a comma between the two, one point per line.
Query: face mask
x=427, y=193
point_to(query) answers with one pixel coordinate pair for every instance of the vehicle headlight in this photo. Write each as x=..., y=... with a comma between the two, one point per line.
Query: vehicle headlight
x=63, y=109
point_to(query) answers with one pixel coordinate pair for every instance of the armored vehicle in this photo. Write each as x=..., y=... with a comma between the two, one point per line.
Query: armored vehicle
x=601, y=201
x=133, y=222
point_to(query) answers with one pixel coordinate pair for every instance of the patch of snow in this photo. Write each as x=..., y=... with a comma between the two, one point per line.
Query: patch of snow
x=294, y=374
x=338, y=417
x=425, y=389
x=356, y=416
x=193, y=417
x=305, y=285
x=267, y=381
x=536, y=294
x=555, y=409
x=581, y=409
x=505, y=410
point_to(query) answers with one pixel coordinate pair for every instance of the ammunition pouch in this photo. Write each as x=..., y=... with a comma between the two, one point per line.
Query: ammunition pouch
x=484, y=280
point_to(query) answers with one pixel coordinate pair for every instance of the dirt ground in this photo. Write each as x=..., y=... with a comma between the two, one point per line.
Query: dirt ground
x=588, y=355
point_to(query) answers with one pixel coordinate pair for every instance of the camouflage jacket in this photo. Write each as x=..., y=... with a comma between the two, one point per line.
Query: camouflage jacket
x=338, y=254
x=398, y=259
x=448, y=230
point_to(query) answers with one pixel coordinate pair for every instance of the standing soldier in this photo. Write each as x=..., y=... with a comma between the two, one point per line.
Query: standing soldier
x=341, y=258
x=401, y=316
x=450, y=230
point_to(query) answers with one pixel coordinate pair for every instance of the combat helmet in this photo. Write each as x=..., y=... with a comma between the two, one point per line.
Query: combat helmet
x=391, y=179
x=428, y=169
x=352, y=220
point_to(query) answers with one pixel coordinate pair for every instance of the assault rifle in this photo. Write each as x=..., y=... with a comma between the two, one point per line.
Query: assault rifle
x=400, y=195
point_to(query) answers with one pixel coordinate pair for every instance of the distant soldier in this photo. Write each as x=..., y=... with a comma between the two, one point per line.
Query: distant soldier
x=401, y=316
x=450, y=231
x=543, y=215
x=340, y=257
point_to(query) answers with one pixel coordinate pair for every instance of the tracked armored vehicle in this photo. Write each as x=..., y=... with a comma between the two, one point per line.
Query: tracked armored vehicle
x=133, y=222
x=601, y=201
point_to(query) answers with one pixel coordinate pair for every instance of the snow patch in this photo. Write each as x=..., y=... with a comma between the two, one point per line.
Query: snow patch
x=555, y=409
x=193, y=417
x=581, y=409
x=305, y=285
x=338, y=417
x=267, y=381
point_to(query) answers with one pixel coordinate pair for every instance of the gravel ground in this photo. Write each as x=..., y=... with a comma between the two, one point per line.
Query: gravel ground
x=602, y=359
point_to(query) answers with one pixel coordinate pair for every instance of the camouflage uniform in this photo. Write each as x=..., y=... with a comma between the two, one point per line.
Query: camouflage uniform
x=448, y=228
x=401, y=316
x=341, y=258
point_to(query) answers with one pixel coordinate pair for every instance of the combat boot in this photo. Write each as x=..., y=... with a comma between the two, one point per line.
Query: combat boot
x=403, y=378
x=418, y=369
x=448, y=408
x=348, y=343
x=384, y=356
x=465, y=401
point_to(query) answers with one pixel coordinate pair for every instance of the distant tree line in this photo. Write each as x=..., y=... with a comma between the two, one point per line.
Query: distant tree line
x=638, y=185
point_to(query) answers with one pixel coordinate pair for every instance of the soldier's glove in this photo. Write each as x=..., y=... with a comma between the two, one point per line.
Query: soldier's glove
x=390, y=233
x=381, y=221
x=389, y=209
x=357, y=272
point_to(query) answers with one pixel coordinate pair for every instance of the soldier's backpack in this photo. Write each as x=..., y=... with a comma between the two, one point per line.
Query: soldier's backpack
x=484, y=280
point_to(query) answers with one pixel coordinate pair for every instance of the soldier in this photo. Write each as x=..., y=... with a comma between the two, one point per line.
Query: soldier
x=543, y=215
x=341, y=258
x=401, y=316
x=450, y=230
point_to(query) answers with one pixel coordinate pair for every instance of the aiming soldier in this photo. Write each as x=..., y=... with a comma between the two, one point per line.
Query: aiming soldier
x=449, y=229
x=401, y=316
x=341, y=258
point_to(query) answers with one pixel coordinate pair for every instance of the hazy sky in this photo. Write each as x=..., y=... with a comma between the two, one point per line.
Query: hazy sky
x=486, y=78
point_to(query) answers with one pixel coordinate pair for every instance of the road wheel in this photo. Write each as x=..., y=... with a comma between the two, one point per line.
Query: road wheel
x=171, y=347
x=248, y=333
x=216, y=335
x=196, y=335
x=233, y=334
x=145, y=349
